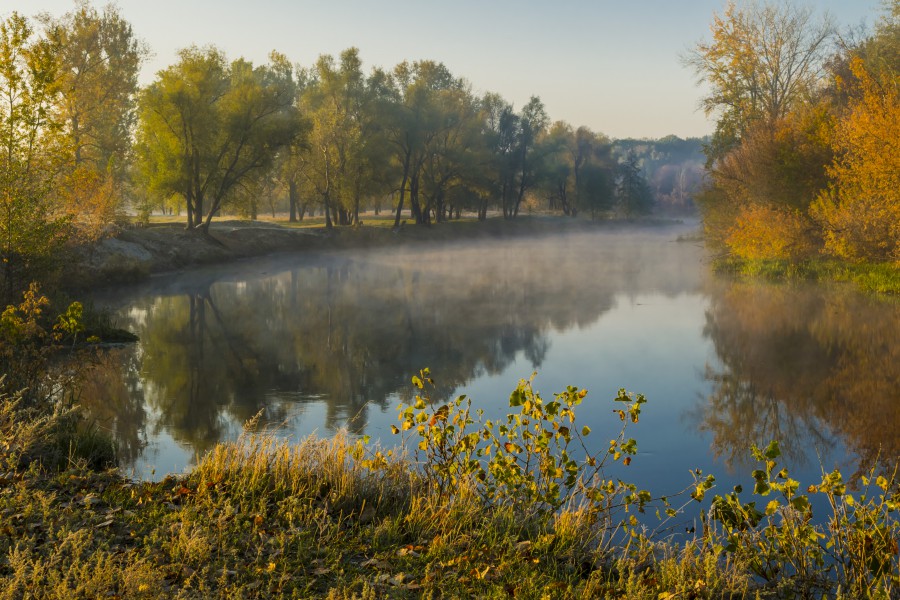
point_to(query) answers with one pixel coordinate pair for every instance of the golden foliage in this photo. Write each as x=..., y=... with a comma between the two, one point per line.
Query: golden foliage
x=93, y=199
x=763, y=231
x=860, y=214
x=757, y=206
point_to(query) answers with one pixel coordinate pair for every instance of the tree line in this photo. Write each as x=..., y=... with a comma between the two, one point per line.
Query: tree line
x=339, y=140
x=82, y=141
x=805, y=158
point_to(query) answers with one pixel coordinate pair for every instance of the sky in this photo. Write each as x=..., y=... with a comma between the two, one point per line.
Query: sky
x=610, y=65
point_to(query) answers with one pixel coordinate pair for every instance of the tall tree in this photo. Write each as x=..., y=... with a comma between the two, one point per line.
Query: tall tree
x=334, y=103
x=448, y=159
x=526, y=156
x=764, y=59
x=422, y=118
x=32, y=152
x=635, y=197
x=500, y=132
x=99, y=59
x=206, y=125
x=860, y=212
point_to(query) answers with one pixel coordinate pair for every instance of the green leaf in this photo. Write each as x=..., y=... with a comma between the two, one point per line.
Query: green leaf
x=801, y=503
x=772, y=451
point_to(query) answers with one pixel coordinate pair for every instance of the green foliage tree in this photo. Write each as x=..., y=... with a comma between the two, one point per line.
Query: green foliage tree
x=206, y=125
x=578, y=170
x=429, y=120
x=634, y=195
x=526, y=156
x=344, y=161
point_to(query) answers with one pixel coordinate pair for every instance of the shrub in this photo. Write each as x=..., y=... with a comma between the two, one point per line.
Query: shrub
x=535, y=461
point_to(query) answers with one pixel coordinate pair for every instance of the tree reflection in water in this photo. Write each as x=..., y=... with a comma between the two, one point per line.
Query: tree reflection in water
x=220, y=345
x=811, y=366
x=326, y=340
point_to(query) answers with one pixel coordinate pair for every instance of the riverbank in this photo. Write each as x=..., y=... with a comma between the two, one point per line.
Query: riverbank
x=332, y=519
x=871, y=278
x=135, y=253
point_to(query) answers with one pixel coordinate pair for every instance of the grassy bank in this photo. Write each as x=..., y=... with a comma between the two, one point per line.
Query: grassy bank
x=879, y=278
x=457, y=517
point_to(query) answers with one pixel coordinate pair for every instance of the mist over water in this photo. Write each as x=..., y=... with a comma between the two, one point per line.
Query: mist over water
x=319, y=342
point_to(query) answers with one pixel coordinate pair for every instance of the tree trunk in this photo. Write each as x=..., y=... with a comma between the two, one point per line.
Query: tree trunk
x=414, y=207
x=292, y=198
x=402, y=188
x=328, y=223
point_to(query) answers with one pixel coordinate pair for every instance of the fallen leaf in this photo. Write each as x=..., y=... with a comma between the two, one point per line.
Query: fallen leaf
x=378, y=564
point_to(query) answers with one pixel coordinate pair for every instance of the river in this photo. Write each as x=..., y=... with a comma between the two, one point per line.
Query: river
x=316, y=342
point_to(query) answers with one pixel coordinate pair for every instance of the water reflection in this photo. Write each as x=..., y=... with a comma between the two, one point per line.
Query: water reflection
x=812, y=366
x=346, y=331
x=329, y=341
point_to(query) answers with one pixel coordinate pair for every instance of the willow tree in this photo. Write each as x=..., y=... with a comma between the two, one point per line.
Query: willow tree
x=419, y=122
x=206, y=126
x=335, y=101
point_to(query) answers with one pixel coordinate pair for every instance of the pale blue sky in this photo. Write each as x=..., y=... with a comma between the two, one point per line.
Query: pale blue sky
x=612, y=66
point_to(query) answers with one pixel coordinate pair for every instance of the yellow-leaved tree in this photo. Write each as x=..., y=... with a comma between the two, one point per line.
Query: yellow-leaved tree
x=860, y=212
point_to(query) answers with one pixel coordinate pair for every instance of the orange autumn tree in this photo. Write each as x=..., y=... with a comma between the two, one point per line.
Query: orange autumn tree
x=860, y=212
x=769, y=182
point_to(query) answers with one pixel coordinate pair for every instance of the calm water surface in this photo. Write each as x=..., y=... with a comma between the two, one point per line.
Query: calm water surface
x=329, y=341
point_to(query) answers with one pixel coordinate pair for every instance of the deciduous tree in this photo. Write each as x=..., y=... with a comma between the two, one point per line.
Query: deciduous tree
x=32, y=152
x=860, y=213
x=99, y=58
x=206, y=125
x=764, y=59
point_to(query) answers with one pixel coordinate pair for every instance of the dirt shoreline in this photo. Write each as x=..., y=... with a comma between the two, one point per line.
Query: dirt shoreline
x=135, y=254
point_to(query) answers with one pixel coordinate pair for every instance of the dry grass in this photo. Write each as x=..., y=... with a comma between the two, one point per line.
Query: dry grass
x=261, y=518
